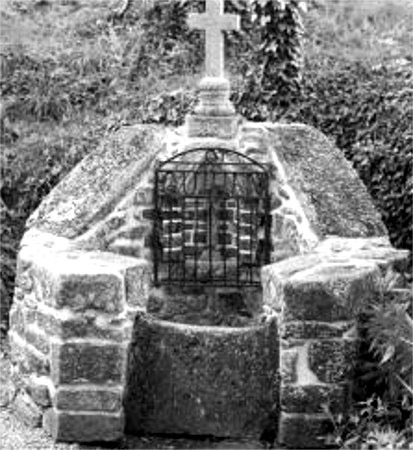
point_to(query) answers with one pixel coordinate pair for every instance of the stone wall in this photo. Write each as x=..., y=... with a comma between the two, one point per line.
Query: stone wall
x=317, y=299
x=71, y=324
x=291, y=231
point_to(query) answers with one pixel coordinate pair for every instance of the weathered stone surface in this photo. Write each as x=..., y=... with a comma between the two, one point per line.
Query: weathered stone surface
x=224, y=127
x=139, y=280
x=8, y=392
x=377, y=250
x=29, y=314
x=73, y=281
x=310, y=398
x=83, y=426
x=35, y=241
x=88, y=398
x=24, y=407
x=81, y=325
x=288, y=365
x=39, y=390
x=99, y=181
x=93, y=362
x=304, y=430
x=294, y=363
x=82, y=280
x=283, y=249
x=17, y=349
x=315, y=329
x=215, y=307
x=202, y=380
x=328, y=292
x=293, y=266
x=16, y=318
x=38, y=339
x=86, y=291
x=37, y=362
x=312, y=301
x=332, y=360
x=26, y=357
x=333, y=197
x=317, y=361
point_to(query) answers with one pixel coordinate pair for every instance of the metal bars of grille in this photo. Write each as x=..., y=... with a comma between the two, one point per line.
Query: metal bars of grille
x=212, y=219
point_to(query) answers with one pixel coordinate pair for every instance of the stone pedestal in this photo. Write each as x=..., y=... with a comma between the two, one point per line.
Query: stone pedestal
x=215, y=115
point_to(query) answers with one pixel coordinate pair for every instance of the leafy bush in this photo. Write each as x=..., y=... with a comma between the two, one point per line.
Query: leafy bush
x=383, y=417
x=390, y=332
x=386, y=358
x=368, y=427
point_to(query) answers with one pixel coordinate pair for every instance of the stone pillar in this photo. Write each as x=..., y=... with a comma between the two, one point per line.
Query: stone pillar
x=70, y=330
x=317, y=302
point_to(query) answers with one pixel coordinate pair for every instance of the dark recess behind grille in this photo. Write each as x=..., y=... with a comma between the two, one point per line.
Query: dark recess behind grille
x=212, y=219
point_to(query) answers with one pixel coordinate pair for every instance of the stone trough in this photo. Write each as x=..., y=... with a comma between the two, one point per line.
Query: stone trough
x=202, y=380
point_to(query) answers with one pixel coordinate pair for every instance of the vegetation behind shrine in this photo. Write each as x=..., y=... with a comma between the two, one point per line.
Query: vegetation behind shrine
x=74, y=71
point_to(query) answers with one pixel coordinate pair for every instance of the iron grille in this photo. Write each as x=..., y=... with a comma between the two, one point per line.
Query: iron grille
x=212, y=219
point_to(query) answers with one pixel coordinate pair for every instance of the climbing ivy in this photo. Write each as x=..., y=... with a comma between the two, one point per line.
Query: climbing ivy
x=264, y=57
x=272, y=80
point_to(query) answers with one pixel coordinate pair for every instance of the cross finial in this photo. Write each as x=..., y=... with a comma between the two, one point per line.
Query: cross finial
x=214, y=22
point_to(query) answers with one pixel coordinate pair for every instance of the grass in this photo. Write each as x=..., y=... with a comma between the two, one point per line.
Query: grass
x=373, y=30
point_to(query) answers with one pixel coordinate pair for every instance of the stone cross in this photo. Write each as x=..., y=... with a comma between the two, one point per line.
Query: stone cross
x=214, y=22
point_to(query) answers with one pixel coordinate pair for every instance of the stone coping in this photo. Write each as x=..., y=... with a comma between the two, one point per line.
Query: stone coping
x=217, y=331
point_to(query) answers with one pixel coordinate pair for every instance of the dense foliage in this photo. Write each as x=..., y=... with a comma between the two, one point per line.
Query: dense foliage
x=383, y=416
x=369, y=112
x=271, y=81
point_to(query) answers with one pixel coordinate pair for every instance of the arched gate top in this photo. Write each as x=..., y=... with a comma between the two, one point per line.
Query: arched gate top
x=206, y=155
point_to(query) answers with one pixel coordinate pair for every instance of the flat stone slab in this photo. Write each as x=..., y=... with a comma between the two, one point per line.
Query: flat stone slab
x=334, y=199
x=334, y=282
x=194, y=380
x=97, y=184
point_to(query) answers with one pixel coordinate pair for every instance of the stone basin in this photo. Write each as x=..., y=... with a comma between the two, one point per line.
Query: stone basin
x=202, y=380
x=213, y=306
